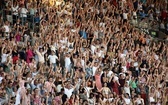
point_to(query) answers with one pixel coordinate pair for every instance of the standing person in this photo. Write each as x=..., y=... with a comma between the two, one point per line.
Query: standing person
x=40, y=55
x=98, y=79
x=115, y=84
x=69, y=89
x=4, y=54
x=49, y=85
x=138, y=100
x=64, y=96
x=68, y=62
x=23, y=14
x=15, y=8
x=29, y=54
x=36, y=97
x=7, y=29
x=26, y=98
x=143, y=93
x=53, y=59
x=21, y=2
x=62, y=59
x=15, y=54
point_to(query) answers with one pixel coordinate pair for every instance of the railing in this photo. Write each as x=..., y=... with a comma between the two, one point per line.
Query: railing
x=142, y=25
x=9, y=17
x=145, y=25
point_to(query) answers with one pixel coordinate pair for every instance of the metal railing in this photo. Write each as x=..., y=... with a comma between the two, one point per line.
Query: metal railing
x=145, y=25
x=9, y=17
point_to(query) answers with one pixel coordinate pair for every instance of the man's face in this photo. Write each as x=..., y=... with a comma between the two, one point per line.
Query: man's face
x=10, y=85
x=53, y=52
x=41, y=50
x=36, y=90
x=50, y=80
x=1, y=68
x=97, y=41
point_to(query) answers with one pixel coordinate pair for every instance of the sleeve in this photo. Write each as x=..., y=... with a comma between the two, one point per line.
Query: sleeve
x=44, y=52
x=38, y=53
x=48, y=57
x=56, y=57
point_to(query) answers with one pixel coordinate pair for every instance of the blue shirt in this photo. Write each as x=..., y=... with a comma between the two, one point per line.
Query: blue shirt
x=142, y=15
x=37, y=19
x=83, y=34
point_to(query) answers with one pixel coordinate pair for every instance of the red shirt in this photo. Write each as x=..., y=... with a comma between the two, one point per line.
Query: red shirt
x=164, y=15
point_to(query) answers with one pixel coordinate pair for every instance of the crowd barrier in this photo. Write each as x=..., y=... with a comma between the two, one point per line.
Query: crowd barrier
x=6, y=16
x=150, y=27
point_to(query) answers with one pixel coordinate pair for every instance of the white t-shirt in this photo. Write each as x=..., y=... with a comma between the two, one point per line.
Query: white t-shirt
x=127, y=101
x=125, y=15
x=15, y=10
x=41, y=56
x=100, y=54
x=82, y=62
x=109, y=74
x=136, y=65
x=59, y=87
x=18, y=97
x=127, y=90
x=67, y=62
x=4, y=58
x=52, y=58
x=1, y=78
x=68, y=92
x=23, y=12
x=94, y=70
x=93, y=48
x=115, y=78
x=88, y=90
x=123, y=55
x=156, y=57
x=125, y=68
x=7, y=29
x=134, y=13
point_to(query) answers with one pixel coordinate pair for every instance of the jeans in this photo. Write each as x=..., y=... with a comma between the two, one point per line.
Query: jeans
x=89, y=72
x=23, y=20
x=54, y=64
x=3, y=101
x=68, y=67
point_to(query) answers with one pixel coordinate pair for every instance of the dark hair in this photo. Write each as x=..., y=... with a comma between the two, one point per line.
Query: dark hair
x=62, y=90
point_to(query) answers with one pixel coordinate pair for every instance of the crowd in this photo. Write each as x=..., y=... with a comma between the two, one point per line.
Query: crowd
x=82, y=52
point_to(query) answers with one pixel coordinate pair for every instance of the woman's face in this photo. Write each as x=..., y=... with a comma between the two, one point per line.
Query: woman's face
x=50, y=80
x=105, y=84
x=81, y=100
x=76, y=56
x=89, y=83
x=96, y=64
x=127, y=96
x=5, y=51
x=36, y=91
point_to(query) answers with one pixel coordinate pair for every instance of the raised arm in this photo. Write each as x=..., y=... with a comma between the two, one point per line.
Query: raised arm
x=2, y=50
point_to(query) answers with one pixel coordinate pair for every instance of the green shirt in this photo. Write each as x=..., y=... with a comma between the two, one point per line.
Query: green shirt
x=133, y=84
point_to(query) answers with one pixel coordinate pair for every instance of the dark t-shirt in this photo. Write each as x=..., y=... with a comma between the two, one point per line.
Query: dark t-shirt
x=14, y=53
x=135, y=4
x=64, y=98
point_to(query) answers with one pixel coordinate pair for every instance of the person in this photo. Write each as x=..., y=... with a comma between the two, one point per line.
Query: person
x=52, y=59
x=15, y=8
x=64, y=96
x=23, y=14
x=40, y=55
x=98, y=79
x=82, y=52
